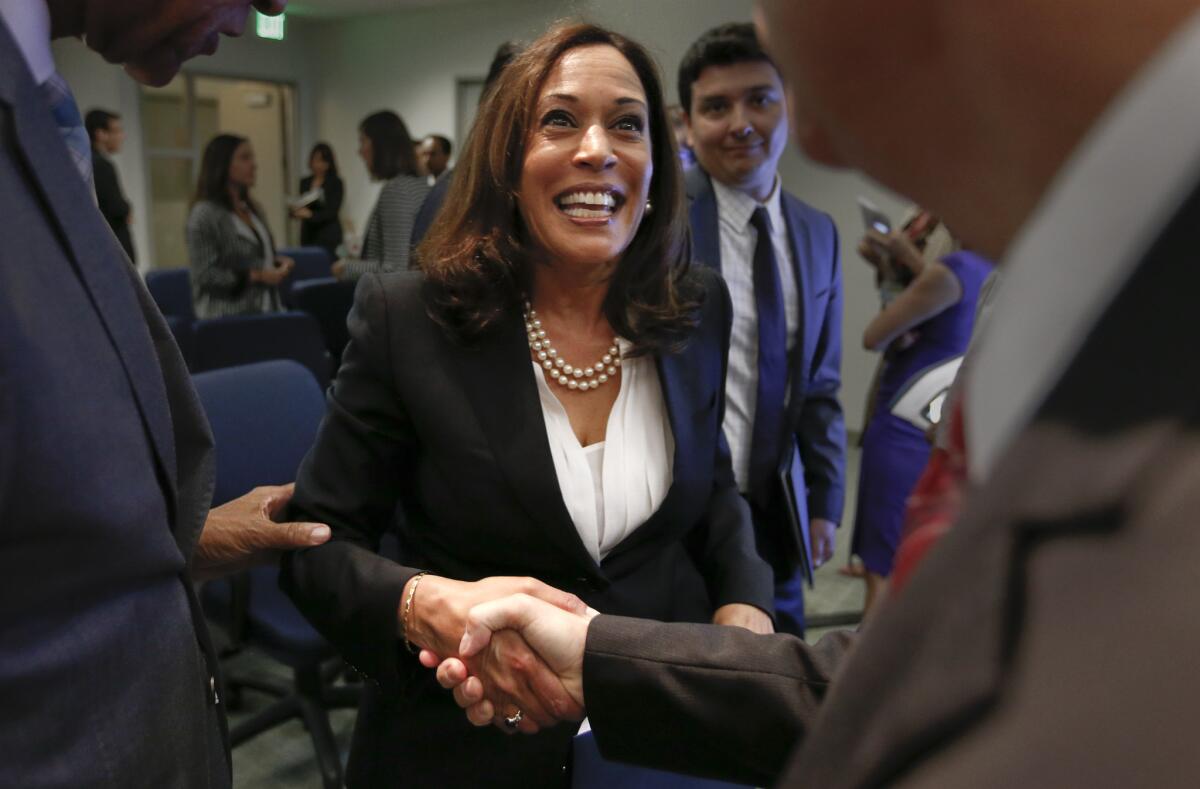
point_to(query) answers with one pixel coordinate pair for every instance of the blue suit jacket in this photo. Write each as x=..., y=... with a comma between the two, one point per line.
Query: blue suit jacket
x=814, y=413
x=106, y=471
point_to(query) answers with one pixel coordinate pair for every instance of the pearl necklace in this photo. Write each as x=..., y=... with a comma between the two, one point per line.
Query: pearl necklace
x=579, y=378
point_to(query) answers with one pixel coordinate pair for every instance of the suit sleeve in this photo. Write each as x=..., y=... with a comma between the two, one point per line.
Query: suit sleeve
x=821, y=428
x=112, y=203
x=392, y=229
x=717, y=702
x=723, y=545
x=350, y=480
x=216, y=266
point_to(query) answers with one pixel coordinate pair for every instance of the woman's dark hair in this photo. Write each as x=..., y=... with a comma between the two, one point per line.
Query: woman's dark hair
x=392, y=149
x=326, y=153
x=213, y=184
x=476, y=257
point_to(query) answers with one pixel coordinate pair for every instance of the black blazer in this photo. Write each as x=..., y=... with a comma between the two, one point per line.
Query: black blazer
x=814, y=414
x=112, y=201
x=456, y=436
x=324, y=229
x=105, y=662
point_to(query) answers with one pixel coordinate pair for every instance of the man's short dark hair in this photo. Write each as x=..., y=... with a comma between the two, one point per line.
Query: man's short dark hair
x=98, y=120
x=724, y=45
x=442, y=142
x=504, y=55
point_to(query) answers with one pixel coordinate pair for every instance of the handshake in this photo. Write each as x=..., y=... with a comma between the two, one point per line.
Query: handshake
x=511, y=649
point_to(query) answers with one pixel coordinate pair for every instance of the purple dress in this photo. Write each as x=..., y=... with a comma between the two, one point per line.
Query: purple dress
x=894, y=452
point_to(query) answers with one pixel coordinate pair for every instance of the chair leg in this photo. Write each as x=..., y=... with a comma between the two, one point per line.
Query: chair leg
x=329, y=761
x=277, y=713
x=310, y=690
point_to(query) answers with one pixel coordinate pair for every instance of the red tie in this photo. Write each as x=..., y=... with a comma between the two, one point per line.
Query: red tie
x=935, y=501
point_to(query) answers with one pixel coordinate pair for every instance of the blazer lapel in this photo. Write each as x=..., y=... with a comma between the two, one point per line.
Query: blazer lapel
x=702, y=216
x=797, y=232
x=510, y=415
x=676, y=382
x=97, y=259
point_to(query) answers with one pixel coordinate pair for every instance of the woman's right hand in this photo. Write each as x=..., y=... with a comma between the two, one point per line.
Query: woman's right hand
x=438, y=618
x=275, y=275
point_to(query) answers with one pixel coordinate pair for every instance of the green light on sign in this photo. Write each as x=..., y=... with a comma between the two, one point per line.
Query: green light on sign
x=269, y=26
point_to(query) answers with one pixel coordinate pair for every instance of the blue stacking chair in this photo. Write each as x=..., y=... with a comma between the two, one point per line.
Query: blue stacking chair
x=171, y=289
x=245, y=339
x=329, y=301
x=264, y=418
x=311, y=263
x=590, y=770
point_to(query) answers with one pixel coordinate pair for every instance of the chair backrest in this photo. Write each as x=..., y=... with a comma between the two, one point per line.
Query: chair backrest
x=171, y=289
x=264, y=418
x=311, y=263
x=329, y=301
x=244, y=339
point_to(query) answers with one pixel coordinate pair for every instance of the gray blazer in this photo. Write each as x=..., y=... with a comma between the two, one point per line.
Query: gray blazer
x=1049, y=639
x=222, y=257
x=107, y=675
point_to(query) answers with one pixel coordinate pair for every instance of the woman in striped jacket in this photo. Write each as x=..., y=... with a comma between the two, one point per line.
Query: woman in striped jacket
x=235, y=270
x=387, y=149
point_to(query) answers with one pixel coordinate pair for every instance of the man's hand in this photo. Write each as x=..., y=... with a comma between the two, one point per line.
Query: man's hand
x=823, y=536
x=302, y=213
x=243, y=533
x=557, y=636
x=741, y=615
x=338, y=269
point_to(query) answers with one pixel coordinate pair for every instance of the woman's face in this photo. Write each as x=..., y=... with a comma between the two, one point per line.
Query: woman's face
x=588, y=161
x=365, y=150
x=242, y=169
x=317, y=164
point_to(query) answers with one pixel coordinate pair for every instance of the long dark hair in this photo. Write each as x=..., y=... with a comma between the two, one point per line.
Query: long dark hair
x=392, y=149
x=476, y=258
x=213, y=184
x=326, y=154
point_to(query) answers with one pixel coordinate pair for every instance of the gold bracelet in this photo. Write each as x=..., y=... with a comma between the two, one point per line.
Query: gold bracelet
x=406, y=617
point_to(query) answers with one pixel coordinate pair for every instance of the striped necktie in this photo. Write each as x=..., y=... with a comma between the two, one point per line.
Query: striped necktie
x=70, y=123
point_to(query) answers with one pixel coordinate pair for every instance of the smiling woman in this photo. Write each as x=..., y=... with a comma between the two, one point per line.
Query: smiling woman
x=543, y=399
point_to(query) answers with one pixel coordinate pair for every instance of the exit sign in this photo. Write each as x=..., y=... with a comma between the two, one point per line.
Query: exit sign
x=269, y=26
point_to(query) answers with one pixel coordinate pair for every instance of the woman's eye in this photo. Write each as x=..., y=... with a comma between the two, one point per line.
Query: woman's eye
x=631, y=123
x=556, y=118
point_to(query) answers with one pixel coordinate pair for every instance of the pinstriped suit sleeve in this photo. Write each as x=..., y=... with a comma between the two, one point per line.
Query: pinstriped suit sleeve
x=388, y=240
x=215, y=265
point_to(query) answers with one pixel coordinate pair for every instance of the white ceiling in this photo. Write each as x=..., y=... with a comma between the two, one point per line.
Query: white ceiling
x=342, y=8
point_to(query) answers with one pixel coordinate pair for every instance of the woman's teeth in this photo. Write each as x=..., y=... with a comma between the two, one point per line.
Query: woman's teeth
x=588, y=205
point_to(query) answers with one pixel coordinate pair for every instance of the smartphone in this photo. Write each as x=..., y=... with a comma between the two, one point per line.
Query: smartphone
x=873, y=218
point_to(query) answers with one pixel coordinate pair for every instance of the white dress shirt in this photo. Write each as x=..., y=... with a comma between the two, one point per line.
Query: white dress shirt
x=612, y=487
x=738, y=240
x=29, y=23
x=1106, y=207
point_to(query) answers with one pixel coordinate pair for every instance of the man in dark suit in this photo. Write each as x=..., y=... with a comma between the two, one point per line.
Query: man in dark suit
x=1047, y=637
x=786, y=285
x=107, y=134
x=107, y=674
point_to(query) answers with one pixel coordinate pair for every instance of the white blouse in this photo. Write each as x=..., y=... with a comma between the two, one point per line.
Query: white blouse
x=613, y=486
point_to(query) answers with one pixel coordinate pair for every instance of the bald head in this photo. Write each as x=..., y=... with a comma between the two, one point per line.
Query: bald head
x=153, y=38
x=967, y=106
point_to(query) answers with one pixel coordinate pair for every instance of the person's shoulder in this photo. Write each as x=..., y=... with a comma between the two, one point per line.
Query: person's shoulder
x=696, y=182
x=810, y=214
x=206, y=212
x=708, y=290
